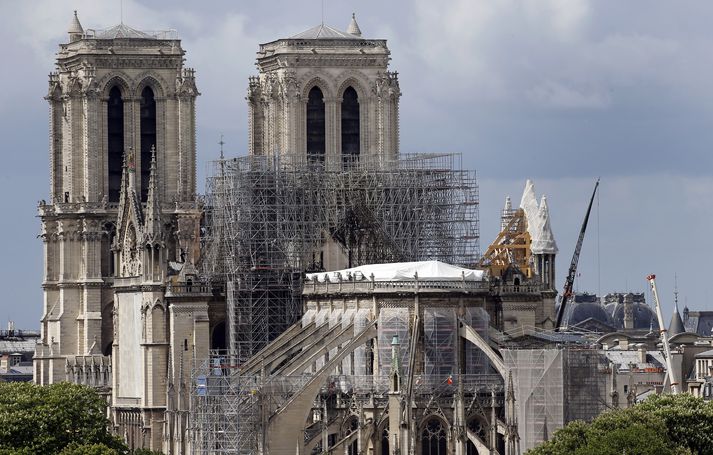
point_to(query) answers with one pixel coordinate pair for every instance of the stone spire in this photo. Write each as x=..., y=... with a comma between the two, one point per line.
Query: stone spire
x=152, y=227
x=676, y=325
x=75, y=29
x=395, y=365
x=353, y=28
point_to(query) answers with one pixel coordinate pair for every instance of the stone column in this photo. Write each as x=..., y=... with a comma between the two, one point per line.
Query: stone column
x=331, y=128
x=93, y=190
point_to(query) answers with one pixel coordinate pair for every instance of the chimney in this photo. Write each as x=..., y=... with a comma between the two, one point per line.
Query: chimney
x=641, y=347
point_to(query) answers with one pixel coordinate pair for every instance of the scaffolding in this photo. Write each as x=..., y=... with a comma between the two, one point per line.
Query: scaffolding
x=554, y=387
x=270, y=219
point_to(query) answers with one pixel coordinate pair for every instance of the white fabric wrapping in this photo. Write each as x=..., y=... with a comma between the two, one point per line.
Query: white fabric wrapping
x=397, y=271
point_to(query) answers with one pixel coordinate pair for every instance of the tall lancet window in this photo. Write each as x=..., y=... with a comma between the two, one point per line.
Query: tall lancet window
x=316, y=143
x=350, y=125
x=148, y=137
x=115, y=142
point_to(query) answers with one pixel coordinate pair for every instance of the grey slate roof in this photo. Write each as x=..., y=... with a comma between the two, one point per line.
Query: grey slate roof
x=676, y=325
x=10, y=346
x=705, y=354
x=700, y=322
x=123, y=31
x=323, y=31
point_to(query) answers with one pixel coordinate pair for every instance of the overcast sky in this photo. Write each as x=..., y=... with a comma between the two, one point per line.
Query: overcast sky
x=558, y=91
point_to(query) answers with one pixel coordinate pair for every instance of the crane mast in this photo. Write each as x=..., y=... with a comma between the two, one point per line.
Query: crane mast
x=569, y=282
x=664, y=335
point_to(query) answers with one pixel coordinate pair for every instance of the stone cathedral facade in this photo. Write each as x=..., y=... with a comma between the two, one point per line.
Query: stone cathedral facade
x=123, y=310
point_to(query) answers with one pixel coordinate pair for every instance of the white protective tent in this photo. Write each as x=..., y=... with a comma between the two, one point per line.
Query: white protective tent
x=400, y=271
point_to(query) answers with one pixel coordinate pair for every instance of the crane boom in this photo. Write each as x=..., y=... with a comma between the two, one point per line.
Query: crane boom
x=664, y=335
x=569, y=282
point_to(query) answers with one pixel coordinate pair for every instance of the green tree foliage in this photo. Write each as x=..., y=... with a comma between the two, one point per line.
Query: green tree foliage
x=145, y=452
x=663, y=424
x=88, y=449
x=49, y=419
x=689, y=420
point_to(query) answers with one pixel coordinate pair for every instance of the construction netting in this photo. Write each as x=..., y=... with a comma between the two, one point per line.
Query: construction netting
x=476, y=362
x=439, y=333
x=554, y=387
x=393, y=322
x=537, y=376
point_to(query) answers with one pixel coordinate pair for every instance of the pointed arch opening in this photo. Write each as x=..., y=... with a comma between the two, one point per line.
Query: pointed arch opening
x=115, y=142
x=383, y=437
x=478, y=427
x=316, y=140
x=148, y=137
x=434, y=438
x=350, y=125
x=158, y=324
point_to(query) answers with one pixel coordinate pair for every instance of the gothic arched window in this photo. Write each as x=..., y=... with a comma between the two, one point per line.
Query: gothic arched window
x=352, y=426
x=385, y=440
x=350, y=125
x=115, y=142
x=477, y=427
x=433, y=438
x=148, y=137
x=316, y=143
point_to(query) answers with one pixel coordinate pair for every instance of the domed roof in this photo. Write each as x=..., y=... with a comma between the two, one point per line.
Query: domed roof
x=578, y=312
x=644, y=315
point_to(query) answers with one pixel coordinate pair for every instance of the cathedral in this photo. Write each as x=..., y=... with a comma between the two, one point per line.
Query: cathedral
x=131, y=308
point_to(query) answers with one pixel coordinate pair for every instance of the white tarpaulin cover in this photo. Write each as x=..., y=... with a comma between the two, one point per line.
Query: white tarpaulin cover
x=538, y=221
x=398, y=271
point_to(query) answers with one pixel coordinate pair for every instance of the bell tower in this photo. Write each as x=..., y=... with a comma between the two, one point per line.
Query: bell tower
x=325, y=94
x=114, y=92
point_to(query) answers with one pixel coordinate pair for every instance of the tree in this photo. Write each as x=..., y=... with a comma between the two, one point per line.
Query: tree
x=88, y=449
x=663, y=424
x=48, y=419
x=689, y=420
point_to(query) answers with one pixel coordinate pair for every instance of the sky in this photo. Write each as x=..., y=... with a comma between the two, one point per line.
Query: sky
x=558, y=91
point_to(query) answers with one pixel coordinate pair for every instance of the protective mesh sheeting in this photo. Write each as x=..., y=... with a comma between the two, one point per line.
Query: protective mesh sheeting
x=334, y=320
x=439, y=330
x=308, y=317
x=586, y=384
x=348, y=362
x=360, y=323
x=393, y=322
x=476, y=362
x=539, y=392
x=322, y=318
